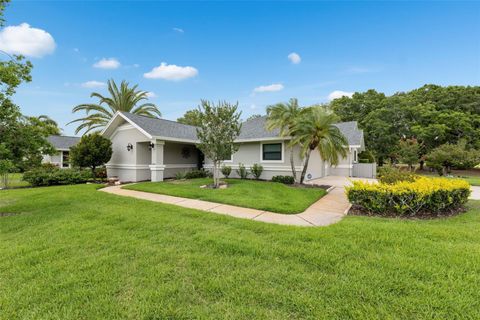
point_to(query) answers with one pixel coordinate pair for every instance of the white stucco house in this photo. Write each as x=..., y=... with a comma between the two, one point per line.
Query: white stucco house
x=62, y=144
x=146, y=148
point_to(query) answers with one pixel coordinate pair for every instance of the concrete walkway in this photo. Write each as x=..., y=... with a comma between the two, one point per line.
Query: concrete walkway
x=475, y=193
x=328, y=210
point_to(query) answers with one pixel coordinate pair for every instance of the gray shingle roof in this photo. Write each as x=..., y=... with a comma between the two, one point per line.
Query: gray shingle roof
x=251, y=129
x=163, y=128
x=255, y=129
x=63, y=142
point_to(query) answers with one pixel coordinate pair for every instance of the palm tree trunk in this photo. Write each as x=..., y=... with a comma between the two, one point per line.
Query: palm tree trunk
x=305, y=166
x=292, y=164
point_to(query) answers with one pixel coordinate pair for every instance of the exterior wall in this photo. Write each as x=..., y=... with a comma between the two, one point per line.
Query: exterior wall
x=129, y=165
x=56, y=159
x=345, y=166
x=178, y=157
x=250, y=153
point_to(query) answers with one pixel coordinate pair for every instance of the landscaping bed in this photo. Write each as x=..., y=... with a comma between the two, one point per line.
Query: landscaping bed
x=417, y=197
x=262, y=195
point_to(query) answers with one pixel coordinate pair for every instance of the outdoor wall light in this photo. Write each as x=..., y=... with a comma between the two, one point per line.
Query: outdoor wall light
x=151, y=146
x=129, y=147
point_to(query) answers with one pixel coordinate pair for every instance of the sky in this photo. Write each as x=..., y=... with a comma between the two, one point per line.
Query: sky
x=256, y=53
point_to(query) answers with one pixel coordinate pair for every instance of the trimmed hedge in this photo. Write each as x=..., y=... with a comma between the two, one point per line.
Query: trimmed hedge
x=423, y=196
x=283, y=179
x=48, y=176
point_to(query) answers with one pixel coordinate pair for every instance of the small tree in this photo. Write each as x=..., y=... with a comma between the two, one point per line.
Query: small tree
x=219, y=127
x=448, y=156
x=409, y=152
x=92, y=151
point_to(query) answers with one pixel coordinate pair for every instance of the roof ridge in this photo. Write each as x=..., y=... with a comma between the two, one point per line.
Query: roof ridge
x=63, y=136
x=163, y=119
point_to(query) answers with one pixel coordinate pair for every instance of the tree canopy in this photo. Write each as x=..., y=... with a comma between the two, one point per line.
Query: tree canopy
x=432, y=114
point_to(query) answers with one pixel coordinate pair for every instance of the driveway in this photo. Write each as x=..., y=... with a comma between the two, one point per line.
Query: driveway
x=337, y=181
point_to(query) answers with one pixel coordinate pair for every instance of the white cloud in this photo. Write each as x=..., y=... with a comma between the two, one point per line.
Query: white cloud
x=93, y=84
x=151, y=94
x=294, y=58
x=171, y=72
x=338, y=94
x=179, y=30
x=25, y=40
x=269, y=88
x=107, y=63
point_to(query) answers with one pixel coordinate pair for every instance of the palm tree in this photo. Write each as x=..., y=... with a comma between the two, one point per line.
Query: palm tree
x=315, y=129
x=124, y=99
x=283, y=116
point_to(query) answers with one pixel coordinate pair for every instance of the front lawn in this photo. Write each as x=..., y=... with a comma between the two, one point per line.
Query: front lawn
x=262, y=195
x=75, y=253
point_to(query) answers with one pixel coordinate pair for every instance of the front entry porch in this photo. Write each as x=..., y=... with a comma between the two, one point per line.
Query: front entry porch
x=153, y=160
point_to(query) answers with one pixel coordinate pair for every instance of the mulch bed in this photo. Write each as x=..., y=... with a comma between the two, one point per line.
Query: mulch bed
x=358, y=211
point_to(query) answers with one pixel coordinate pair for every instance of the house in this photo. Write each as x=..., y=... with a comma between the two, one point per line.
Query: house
x=146, y=148
x=62, y=144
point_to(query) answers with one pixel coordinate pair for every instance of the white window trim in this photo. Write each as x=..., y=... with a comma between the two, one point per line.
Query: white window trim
x=355, y=156
x=272, y=161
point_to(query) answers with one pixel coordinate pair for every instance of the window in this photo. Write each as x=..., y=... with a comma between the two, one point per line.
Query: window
x=272, y=152
x=355, y=156
x=65, y=159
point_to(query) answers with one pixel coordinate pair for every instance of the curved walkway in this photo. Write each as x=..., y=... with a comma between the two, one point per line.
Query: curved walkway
x=328, y=210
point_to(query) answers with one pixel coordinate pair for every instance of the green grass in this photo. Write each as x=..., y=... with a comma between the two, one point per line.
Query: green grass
x=15, y=181
x=75, y=253
x=262, y=195
x=474, y=181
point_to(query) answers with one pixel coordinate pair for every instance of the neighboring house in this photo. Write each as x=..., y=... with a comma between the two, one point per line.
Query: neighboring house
x=153, y=149
x=62, y=144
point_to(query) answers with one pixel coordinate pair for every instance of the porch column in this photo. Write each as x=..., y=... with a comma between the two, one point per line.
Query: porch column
x=157, y=167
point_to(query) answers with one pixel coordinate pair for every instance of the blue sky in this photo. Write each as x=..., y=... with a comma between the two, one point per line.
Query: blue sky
x=233, y=48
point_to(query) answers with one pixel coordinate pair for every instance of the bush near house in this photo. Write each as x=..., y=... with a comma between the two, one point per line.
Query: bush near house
x=47, y=175
x=194, y=174
x=423, y=196
x=283, y=179
x=226, y=171
x=242, y=171
x=256, y=170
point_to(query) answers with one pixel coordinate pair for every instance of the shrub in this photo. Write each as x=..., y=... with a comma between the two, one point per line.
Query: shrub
x=256, y=170
x=194, y=174
x=283, y=179
x=49, y=176
x=101, y=173
x=391, y=175
x=180, y=175
x=427, y=196
x=226, y=171
x=242, y=171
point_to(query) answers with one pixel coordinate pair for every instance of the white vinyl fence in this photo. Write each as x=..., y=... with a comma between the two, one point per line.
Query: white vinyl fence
x=365, y=170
